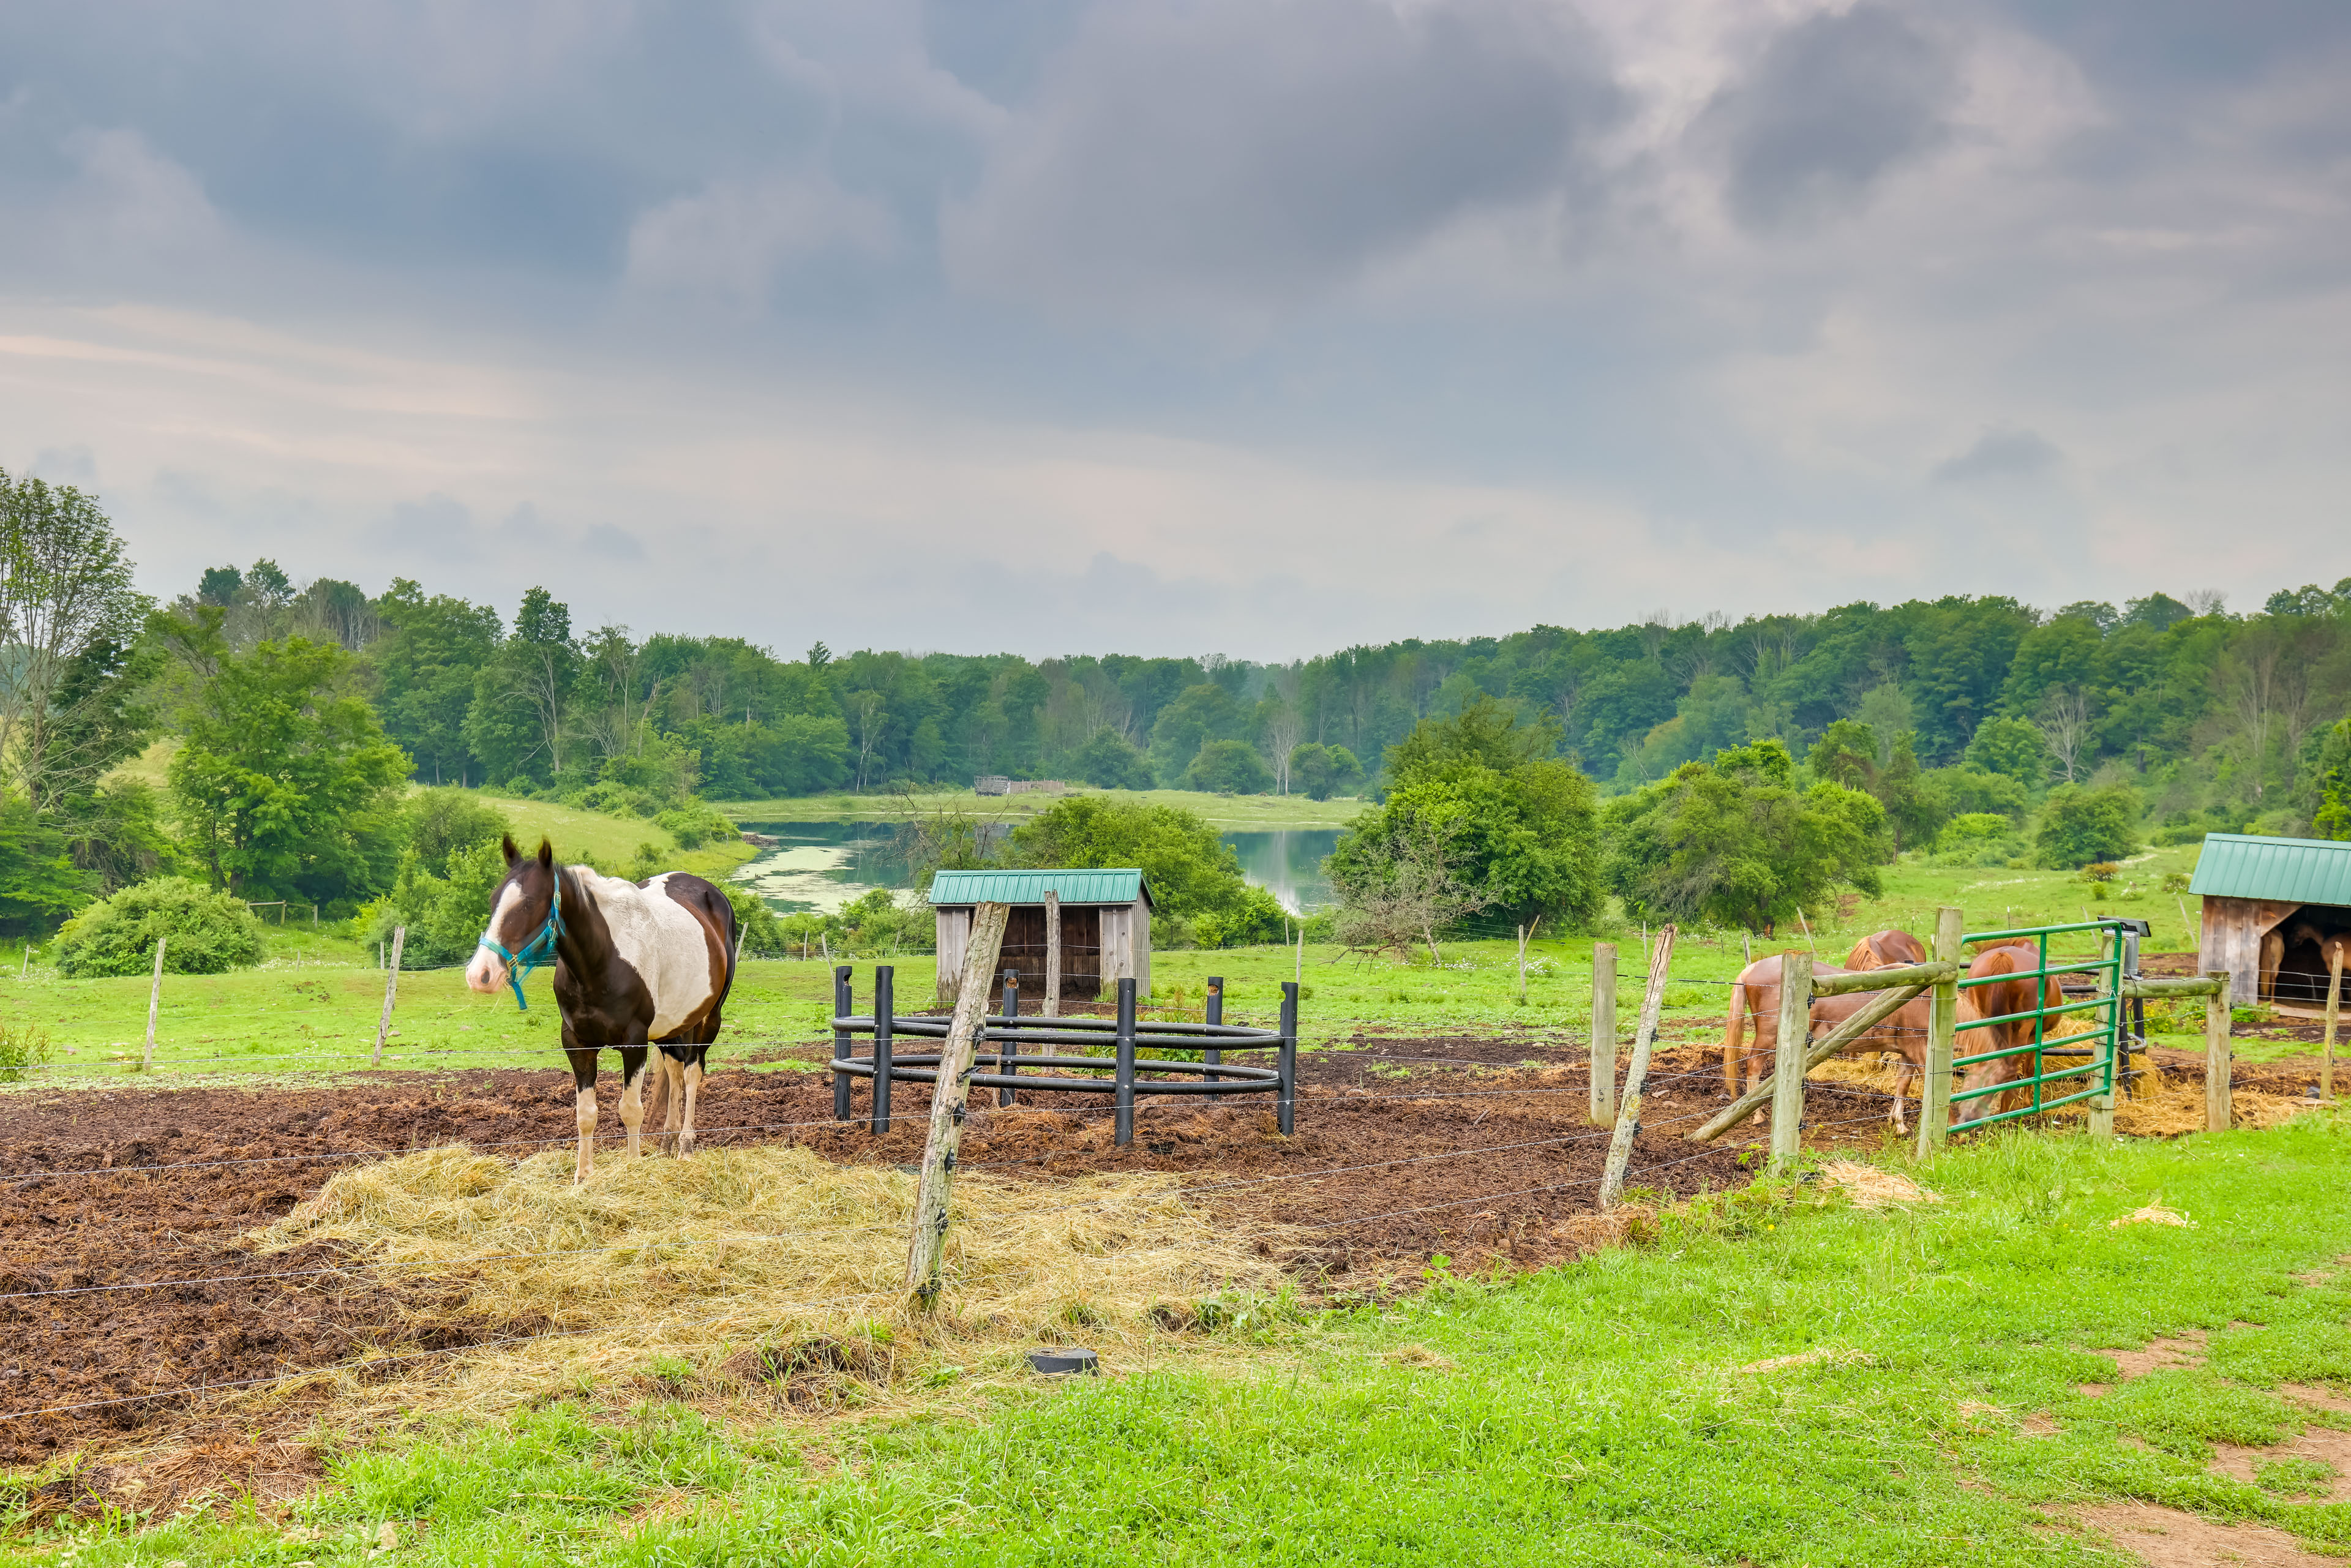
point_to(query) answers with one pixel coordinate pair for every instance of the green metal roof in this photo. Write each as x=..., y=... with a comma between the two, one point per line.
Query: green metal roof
x=1116, y=886
x=2287, y=871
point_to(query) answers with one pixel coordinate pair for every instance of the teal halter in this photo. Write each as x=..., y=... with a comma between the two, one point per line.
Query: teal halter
x=539, y=950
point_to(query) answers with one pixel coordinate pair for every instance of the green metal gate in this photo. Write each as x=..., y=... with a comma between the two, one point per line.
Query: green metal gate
x=2064, y=1084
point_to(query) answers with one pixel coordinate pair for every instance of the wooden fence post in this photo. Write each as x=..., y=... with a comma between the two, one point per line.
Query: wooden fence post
x=1522, y=966
x=2334, y=1008
x=1052, y=1009
x=1645, y=1035
x=390, y=990
x=1788, y=1057
x=1942, y=1035
x=928, y=1244
x=1603, y=1034
x=155, y=1000
x=2218, y=1106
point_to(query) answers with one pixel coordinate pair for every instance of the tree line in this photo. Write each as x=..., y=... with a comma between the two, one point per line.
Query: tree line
x=304, y=708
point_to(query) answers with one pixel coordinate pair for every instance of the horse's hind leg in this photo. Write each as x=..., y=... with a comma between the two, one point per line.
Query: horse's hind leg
x=672, y=1098
x=633, y=1080
x=690, y=1074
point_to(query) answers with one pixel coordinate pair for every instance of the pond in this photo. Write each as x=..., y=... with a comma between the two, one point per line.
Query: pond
x=822, y=866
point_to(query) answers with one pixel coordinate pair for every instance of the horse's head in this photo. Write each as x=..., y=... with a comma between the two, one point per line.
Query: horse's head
x=522, y=911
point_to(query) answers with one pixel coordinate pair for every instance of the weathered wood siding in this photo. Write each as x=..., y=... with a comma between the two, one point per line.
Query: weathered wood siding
x=2233, y=929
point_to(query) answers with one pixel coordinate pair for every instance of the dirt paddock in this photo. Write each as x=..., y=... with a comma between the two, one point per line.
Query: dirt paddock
x=1476, y=1147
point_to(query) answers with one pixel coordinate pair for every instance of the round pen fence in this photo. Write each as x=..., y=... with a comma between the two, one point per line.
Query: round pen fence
x=1042, y=1054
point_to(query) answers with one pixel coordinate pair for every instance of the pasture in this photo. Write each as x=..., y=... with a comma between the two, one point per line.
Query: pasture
x=373, y=1301
x=1222, y=810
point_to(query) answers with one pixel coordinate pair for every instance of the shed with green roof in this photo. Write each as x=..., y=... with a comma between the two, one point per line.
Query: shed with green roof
x=1102, y=914
x=2270, y=906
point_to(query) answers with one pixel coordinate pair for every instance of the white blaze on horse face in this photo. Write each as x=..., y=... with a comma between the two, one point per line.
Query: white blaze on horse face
x=487, y=971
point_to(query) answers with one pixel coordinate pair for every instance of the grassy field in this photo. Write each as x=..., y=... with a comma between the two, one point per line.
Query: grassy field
x=315, y=1006
x=1237, y=811
x=1778, y=1377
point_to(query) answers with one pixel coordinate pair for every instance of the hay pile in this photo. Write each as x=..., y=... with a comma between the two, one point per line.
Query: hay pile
x=742, y=1267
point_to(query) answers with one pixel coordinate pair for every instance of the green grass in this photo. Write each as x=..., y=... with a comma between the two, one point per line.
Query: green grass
x=1636, y=1408
x=1239, y=812
x=612, y=842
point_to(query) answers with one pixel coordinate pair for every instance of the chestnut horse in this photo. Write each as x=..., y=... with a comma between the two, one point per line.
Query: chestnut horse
x=1757, y=989
x=2003, y=998
x=637, y=964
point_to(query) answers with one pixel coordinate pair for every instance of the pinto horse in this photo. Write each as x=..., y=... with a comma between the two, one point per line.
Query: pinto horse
x=637, y=964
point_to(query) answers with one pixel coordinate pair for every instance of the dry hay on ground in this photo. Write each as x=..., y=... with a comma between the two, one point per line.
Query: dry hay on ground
x=744, y=1268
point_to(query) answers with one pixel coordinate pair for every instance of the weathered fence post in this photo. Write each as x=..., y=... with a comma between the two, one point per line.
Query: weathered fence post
x=884, y=1013
x=155, y=1000
x=1522, y=966
x=1052, y=1009
x=1942, y=1035
x=2334, y=1008
x=1285, y=1061
x=927, y=1246
x=1788, y=1059
x=1212, y=1010
x=1122, y=1087
x=843, y=1045
x=391, y=993
x=1644, y=1034
x=1004, y=1049
x=1603, y=1034
x=2218, y=1106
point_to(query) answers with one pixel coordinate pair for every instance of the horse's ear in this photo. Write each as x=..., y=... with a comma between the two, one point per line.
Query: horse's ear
x=508, y=845
x=546, y=854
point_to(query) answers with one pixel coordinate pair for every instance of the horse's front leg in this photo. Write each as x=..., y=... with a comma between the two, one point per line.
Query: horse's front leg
x=583, y=1096
x=632, y=1085
x=674, y=1097
x=1901, y=1082
x=690, y=1075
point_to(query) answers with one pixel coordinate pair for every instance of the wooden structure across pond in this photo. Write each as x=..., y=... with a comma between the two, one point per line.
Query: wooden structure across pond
x=2272, y=909
x=1086, y=929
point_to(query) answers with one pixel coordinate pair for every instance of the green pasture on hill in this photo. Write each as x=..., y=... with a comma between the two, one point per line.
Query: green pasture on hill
x=1776, y=1377
x=315, y=1007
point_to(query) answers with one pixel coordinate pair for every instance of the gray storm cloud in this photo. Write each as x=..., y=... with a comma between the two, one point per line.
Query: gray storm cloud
x=1240, y=150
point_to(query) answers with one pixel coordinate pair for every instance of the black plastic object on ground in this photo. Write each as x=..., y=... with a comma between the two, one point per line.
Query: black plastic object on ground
x=1063, y=1360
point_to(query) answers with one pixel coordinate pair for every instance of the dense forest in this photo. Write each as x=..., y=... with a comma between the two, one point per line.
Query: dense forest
x=2217, y=718
x=302, y=707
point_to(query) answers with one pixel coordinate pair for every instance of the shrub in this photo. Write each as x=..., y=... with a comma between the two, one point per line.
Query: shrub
x=756, y=921
x=2079, y=826
x=1229, y=768
x=23, y=1048
x=2101, y=872
x=209, y=932
x=442, y=821
x=444, y=915
x=695, y=823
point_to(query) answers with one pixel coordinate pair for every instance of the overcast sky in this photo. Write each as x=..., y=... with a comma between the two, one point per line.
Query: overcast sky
x=1253, y=326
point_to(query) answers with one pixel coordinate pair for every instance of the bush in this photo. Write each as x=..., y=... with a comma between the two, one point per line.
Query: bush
x=2101, y=872
x=2081, y=826
x=444, y=915
x=1111, y=761
x=1977, y=838
x=756, y=921
x=210, y=933
x=23, y=1048
x=442, y=821
x=1229, y=768
x=694, y=824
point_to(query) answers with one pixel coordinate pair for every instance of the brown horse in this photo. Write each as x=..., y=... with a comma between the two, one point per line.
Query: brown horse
x=1885, y=950
x=2005, y=998
x=1757, y=989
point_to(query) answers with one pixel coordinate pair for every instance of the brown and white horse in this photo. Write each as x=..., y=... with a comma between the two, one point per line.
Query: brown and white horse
x=637, y=964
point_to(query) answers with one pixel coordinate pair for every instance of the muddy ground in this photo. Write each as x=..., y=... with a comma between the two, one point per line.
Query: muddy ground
x=1473, y=1146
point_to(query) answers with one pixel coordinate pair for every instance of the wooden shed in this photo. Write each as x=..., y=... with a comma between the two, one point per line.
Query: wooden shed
x=2268, y=905
x=1105, y=927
